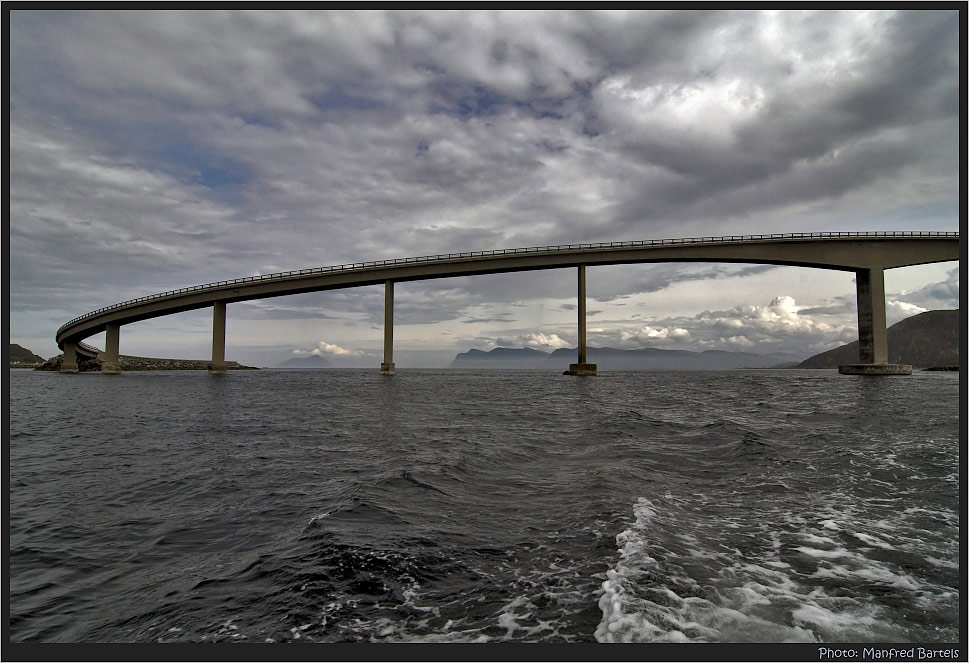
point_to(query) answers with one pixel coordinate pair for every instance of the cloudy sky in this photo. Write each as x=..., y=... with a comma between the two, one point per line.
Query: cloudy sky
x=150, y=151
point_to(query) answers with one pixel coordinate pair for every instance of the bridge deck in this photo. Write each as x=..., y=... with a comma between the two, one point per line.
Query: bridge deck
x=840, y=250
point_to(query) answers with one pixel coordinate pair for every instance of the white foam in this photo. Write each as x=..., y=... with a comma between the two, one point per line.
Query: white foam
x=823, y=553
x=808, y=537
x=755, y=596
x=412, y=597
x=944, y=563
x=872, y=541
x=815, y=616
x=874, y=573
x=508, y=617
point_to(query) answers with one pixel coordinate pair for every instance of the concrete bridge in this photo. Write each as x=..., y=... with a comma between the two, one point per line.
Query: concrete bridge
x=867, y=254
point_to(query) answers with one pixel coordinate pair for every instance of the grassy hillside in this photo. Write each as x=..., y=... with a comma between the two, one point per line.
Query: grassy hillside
x=924, y=340
x=21, y=355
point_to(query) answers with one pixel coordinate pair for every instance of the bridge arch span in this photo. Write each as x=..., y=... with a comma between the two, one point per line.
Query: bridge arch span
x=865, y=254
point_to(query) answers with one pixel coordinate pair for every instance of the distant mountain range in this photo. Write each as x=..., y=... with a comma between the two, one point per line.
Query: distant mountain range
x=502, y=358
x=926, y=340
x=644, y=359
x=312, y=361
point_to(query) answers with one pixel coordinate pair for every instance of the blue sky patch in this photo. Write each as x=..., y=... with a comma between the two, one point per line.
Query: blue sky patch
x=336, y=99
x=215, y=172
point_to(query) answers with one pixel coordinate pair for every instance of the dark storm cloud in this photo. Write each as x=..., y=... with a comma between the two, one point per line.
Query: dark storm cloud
x=658, y=277
x=789, y=136
x=504, y=319
x=292, y=307
x=944, y=294
x=841, y=306
x=416, y=303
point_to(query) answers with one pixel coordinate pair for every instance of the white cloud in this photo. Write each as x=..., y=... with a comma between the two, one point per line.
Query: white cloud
x=332, y=349
x=932, y=296
x=539, y=341
x=702, y=110
x=324, y=348
x=740, y=341
x=647, y=335
x=779, y=316
x=777, y=326
x=782, y=309
x=899, y=309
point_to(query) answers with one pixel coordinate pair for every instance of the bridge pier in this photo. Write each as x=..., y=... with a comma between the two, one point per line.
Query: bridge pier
x=218, y=365
x=110, y=359
x=582, y=367
x=69, y=364
x=872, y=328
x=387, y=367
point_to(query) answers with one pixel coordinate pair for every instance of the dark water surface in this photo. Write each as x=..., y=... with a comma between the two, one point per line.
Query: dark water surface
x=450, y=506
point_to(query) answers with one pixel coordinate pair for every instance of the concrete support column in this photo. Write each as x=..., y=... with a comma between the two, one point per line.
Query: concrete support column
x=583, y=367
x=218, y=365
x=582, y=316
x=69, y=365
x=110, y=358
x=387, y=367
x=872, y=327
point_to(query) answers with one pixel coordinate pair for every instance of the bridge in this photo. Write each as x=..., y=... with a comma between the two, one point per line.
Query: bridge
x=867, y=254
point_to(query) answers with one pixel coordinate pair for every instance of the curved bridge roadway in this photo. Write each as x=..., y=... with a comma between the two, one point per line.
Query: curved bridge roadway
x=866, y=254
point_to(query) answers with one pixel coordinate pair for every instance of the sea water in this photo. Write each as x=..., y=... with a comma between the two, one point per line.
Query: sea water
x=488, y=506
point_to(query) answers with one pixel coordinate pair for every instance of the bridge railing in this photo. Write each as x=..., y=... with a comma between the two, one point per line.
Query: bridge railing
x=89, y=348
x=360, y=266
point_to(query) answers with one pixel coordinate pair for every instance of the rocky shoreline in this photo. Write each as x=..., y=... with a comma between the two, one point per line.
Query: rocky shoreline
x=129, y=363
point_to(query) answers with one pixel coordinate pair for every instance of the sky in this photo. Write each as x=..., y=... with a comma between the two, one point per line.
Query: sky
x=153, y=150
